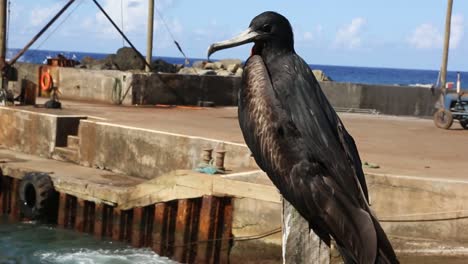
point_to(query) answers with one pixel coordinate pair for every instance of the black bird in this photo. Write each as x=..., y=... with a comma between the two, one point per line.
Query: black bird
x=300, y=142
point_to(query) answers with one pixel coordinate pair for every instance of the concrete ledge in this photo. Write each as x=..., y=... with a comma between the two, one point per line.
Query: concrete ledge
x=420, y=207
x=149, y=153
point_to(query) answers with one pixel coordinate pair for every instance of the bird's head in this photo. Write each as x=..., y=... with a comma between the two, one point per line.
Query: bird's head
x=269, y=31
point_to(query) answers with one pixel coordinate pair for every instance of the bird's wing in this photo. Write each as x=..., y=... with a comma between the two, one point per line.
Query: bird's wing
x=348, y=223
x=324, y=135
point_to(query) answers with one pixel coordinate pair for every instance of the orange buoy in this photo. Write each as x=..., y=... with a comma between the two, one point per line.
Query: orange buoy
x=46, y=81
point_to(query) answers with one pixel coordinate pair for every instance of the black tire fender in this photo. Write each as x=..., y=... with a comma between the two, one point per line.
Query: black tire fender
x=37, y=196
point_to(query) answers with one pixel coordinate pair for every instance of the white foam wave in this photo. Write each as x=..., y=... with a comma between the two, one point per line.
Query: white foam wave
x=426, y=85
x=87, y=256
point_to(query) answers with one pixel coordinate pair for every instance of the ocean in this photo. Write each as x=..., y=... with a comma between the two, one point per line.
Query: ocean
x=364, y=75
x=30, y=243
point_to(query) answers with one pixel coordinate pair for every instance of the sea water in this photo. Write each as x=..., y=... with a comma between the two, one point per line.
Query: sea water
x=364, y=75
x=30, y=243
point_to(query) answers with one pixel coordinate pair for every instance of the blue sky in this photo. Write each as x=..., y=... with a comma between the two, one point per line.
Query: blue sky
x=397, y=33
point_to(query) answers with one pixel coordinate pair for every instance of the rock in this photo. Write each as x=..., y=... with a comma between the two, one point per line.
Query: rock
x=162, y=66
x=199, y=64
x=188, y=70
x=227, y=62
x=320, y=76
x=206, y=72
x=223, y=73
x=210, y=66
x=239, y=72
x=219, y=65
x=127, y=59
x=233, y=67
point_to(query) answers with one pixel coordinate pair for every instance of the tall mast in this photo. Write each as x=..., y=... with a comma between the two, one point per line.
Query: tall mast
x=149, y=41
x=443, y=69
x=3, y=34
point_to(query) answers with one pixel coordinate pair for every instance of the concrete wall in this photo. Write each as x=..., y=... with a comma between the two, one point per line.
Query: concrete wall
x=390, y=100
x=420, y=207
x=34, y=133
x=92, y=85
x=146, y=153
x=185, y=89
x=141, y=88
x=27, y=132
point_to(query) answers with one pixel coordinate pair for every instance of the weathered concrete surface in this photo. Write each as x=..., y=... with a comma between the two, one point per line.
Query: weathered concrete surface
x=96, y=85
x=110, y=86
x=27, y=131
x=148, y=153
x=35, y=133
x=420, y=207
x=252, y=217
x=300, y=244
x=389, y=100
x=182, y=89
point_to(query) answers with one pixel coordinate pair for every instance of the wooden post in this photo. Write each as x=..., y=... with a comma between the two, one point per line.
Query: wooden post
x=99, y=223
x=227, y=232
x=158, y=226
x=14, y=211
x=448, y=21
x=149, y=41
x=182, y=230
x=206, y=229
x=300, y=244
x=117, y=225
x=137, y=227
x=62, y=213
x=80, y=215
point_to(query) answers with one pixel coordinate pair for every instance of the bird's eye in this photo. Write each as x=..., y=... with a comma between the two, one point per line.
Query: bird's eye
x=266, y=28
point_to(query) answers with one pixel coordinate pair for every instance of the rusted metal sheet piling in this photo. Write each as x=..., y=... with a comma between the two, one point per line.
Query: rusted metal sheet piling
x=196, y=230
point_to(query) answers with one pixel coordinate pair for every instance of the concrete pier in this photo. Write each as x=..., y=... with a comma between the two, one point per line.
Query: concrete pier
x=126, y=173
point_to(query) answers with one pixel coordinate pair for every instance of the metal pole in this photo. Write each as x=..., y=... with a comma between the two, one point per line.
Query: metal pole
x=149, y=41
x=38, y=35
x=121, y=33
x=443, y=70
x=3, y=34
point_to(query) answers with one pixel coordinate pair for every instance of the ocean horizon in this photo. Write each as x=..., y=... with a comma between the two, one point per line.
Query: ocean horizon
x=351, y=74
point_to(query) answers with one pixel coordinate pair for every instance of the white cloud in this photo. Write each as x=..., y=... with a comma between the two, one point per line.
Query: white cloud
x=349, y=36
x=456, y=34
x=427, y=36
x=39, y=16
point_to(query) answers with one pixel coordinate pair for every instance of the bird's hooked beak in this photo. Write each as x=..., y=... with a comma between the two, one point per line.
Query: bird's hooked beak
x=247, y=36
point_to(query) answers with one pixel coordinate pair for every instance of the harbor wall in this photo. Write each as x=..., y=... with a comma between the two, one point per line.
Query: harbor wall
x=109, y=86
x=148, y=153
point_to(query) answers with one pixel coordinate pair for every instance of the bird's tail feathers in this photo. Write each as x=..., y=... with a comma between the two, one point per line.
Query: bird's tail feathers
x=385, y=252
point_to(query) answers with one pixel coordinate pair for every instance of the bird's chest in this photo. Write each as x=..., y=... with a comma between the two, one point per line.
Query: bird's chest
x=264, y=123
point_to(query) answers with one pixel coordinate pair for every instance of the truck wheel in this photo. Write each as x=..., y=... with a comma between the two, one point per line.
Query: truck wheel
x=443, y=119
x=37, y=196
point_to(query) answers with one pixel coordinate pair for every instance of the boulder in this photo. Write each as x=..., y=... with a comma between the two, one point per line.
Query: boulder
x=223, y=73
x=210, y=66
x=127, y=59
x=162, y=66
x=233, y=67
x=227, y=62
x=199, y=64
x=239, y=72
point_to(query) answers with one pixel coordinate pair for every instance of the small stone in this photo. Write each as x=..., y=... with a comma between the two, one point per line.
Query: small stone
x=227, y=62
x=199, y=64
x=210, y=66
x=223, y=73
x=219, y=65
x=233, y=67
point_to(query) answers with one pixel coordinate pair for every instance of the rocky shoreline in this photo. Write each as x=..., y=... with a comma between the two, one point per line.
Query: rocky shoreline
x=126, y=59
